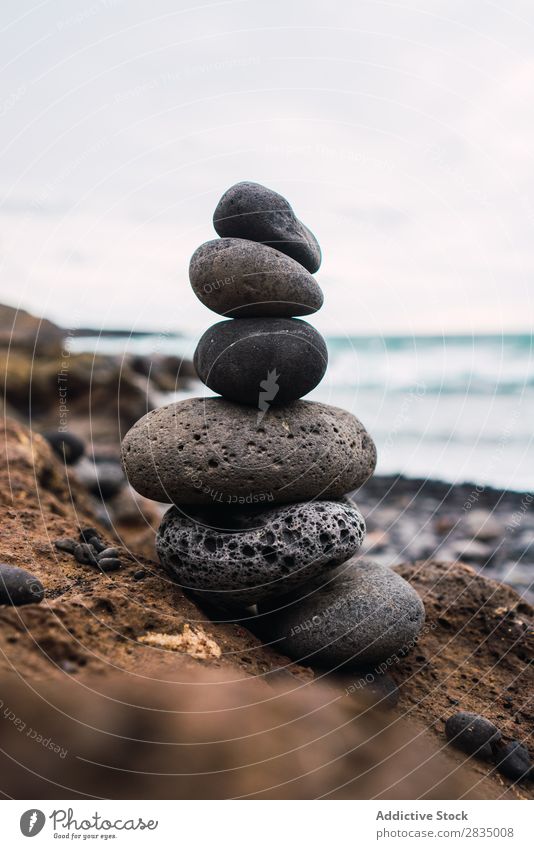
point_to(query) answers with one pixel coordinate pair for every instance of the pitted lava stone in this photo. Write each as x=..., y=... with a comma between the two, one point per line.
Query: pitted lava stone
x=248, y=555
x=250, y=359
x=209, y=450
x=242, y=279
x=252, y=211
x=472, y=733
x=361, y=614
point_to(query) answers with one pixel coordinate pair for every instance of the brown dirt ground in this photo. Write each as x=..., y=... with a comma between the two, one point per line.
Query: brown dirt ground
x=77, y=661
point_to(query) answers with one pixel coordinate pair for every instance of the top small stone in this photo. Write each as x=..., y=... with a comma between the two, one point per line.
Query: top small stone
x=252, y=211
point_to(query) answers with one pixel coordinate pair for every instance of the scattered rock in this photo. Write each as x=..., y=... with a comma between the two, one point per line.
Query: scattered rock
x=192, y=641
x=361, y=615
x=87, y=534
x=68, y=447
x=36, y=336
x=274, y=360
x=512, y=759
x=483, y=526
x=108, y=564
x=242, y=279
x=139, y=575
x=68, y=545
x=245, y=556
x=18, y=587
x=108, y=552
x=97, y=544
x=472, y=733
x=202, y=451
x=251, y=211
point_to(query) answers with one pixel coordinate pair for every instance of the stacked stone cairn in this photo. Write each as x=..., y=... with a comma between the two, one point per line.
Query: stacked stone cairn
x=257, y=477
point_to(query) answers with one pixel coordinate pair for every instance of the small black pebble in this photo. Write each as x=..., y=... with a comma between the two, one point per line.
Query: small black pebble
x=512, y=759
x=472, y=733
x=66, y=545
x=139, y=575
x=86, y=534
x=85, y=553
x=19, y=587
x=108, y=552
x=97, y=544
x=109, y=564
x=453, y=701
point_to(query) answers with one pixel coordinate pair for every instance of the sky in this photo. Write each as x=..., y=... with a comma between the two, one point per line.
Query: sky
x=401, y=132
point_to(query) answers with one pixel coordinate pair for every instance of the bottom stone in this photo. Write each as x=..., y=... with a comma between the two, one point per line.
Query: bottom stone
x=363, y=613
x=248, y=555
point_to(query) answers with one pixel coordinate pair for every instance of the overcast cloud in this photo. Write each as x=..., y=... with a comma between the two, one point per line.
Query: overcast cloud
x=402, y=133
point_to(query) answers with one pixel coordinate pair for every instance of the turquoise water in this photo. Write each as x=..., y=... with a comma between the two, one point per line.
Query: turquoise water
x=457, y=408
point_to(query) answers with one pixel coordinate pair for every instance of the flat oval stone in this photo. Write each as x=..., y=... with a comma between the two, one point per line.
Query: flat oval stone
x=209, y=450
x=261, y=361
x=241, y=279
x=362, y=614
x=252, y=211
x=239, y=555
x=17, y=586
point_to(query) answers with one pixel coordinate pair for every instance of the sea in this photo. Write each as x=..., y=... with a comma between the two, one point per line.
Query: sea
x=452, y=408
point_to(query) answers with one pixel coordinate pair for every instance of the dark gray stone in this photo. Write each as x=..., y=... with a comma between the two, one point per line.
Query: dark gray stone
x=85, y=553
x=18, y=587
x=362, y=614
x=242, y=279
x=261, y=360
x=244, y=556
x=209, y=450
x=66, y=545
x=67, y=446
x=103, y=479
x=472, y=733
x=109, y=564
x=252, y=211
x=97, y=544
x=512, y=759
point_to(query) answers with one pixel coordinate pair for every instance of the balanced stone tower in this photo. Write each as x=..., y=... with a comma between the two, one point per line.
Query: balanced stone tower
x=257, y=477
